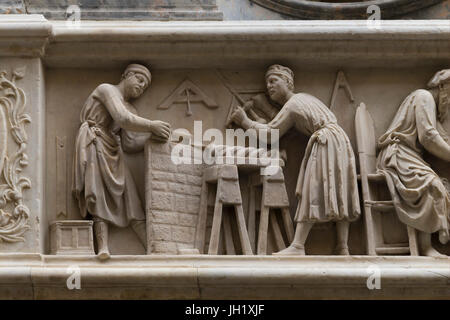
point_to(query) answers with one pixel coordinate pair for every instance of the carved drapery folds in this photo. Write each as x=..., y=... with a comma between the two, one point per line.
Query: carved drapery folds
x=14, y=214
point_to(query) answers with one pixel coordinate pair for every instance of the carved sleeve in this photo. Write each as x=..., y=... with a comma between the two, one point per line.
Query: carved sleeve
x=119, y=112
x=133, y=142
x=428, y=135
x=282, y=122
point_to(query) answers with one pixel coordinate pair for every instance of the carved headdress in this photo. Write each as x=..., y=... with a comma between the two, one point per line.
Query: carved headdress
x=283, y=72
x=138, y=68
x=441, y=80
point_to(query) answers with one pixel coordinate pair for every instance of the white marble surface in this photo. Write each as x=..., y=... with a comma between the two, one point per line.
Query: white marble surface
x=219, y=277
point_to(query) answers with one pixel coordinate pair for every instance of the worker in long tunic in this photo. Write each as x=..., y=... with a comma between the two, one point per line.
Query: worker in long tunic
x=327, y=183
x=102, y=183
x=419, y=195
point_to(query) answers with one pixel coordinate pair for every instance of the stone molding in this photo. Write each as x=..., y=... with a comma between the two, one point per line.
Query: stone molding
x=171, y=45
x=23, y=35
x=221, y=277
x=353, y=43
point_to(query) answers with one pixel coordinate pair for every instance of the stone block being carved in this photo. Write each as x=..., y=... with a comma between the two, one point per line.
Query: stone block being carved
x=172, y=200
x=72, y=237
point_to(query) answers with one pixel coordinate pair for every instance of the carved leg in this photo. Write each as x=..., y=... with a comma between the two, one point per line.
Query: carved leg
x=342, y=238
x=425, y=247
x=140, y=228
x=215, y=230
x=101, y=235
x=297, y=246
x=201, y=224
x=276, y=231
x=287, y=221
x=243, y=235
x=252, y=218
x=412, y=239
x=263, y=228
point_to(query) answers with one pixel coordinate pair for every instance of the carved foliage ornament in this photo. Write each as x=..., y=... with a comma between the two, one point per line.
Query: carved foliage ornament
x=14, y=214
x=316, y=10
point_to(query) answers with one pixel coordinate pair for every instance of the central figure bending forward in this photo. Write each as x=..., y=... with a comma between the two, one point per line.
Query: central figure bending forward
x=327, y=184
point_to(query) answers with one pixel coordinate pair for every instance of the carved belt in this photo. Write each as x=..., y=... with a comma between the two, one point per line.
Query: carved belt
x=318, y=134
x=99, y=131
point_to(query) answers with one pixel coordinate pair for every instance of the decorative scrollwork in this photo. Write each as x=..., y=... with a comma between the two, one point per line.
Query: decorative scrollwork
x=14, y=214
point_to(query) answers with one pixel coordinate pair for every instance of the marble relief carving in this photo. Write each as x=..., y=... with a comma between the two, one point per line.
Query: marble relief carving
x=419, y=195
x=14, y=214
x=102, y=183
x=186, y=94
x=327, y=187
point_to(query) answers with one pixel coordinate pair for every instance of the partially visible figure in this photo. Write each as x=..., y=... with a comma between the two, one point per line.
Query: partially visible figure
x=420, y=197
x=327, y=187
x=102, y=183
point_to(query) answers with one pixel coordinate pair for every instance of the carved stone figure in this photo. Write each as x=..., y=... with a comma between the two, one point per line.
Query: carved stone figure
x=102, y=182
x=327, y=186
x=419, y=195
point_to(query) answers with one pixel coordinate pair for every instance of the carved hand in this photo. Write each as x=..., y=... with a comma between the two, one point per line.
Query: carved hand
x=160, y=129
x=238, y=115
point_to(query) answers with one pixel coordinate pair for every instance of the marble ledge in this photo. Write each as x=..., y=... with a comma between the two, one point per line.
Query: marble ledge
x=177, y=44
x=223, y=277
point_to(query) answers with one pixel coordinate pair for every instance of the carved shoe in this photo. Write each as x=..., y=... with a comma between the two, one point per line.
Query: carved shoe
x=292, y=250
x=104, y=254
x=342, y=250
x=431, y=252
x=444, y=236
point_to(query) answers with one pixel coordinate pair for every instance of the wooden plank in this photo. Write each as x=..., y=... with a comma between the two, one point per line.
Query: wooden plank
x=365, y=141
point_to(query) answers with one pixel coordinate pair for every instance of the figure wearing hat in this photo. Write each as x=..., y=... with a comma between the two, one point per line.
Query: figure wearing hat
x=327, y=187
x=420, y=197
x=102, y=183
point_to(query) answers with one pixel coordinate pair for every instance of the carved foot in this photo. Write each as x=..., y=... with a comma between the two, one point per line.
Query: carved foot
x=444, y=236
x=431, y=252
x=104, y=254
x=292, y=250
x=342, y=251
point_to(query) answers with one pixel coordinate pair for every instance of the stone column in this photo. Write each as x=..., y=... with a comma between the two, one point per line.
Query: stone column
x=23, y=225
